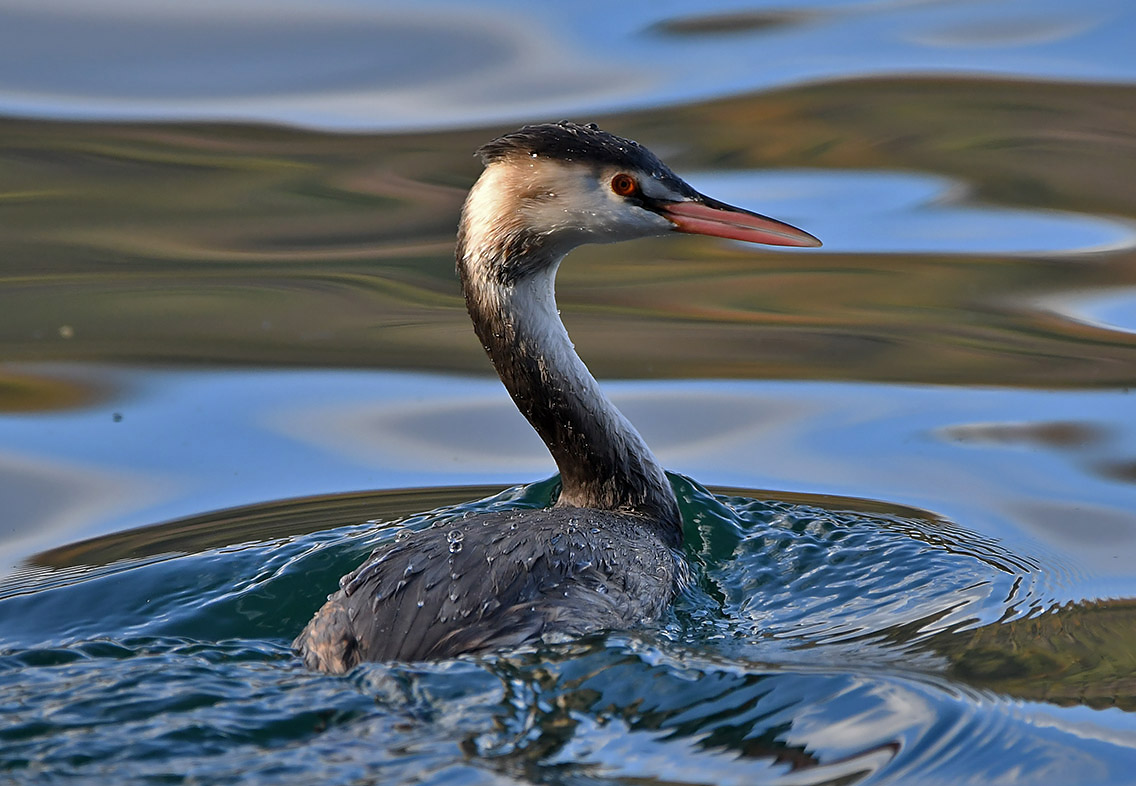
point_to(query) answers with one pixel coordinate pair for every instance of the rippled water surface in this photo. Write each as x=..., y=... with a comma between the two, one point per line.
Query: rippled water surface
x=235, y=361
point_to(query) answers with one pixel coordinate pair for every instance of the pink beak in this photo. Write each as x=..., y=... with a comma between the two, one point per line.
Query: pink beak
x=711, y=217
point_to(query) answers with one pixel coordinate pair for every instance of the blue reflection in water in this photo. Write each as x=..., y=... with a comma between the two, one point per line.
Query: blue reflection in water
x=249, y=436
x=1112, y=309
x=375, y=65
x=807, y=655
x=878, y=212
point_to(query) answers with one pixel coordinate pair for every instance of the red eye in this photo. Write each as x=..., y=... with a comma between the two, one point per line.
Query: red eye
x=624, y=184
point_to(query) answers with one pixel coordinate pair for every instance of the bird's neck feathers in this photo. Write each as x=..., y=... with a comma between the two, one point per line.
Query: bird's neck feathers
x=508, y=277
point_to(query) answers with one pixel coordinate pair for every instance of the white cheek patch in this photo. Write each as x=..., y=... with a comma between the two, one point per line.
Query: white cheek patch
x=490, y=207
x=578, y=204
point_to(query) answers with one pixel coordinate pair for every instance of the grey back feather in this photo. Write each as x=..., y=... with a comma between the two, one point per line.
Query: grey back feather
x=493, y=581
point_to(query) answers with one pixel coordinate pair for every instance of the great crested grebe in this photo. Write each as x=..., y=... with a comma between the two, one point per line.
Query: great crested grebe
x=607, y=556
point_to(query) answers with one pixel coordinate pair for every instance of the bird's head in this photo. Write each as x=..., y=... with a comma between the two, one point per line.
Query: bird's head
x=556, y=186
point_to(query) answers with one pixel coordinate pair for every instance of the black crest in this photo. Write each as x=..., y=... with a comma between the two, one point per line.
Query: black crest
x=565, y=141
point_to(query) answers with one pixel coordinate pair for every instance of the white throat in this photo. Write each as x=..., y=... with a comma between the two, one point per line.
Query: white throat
x=509, y=282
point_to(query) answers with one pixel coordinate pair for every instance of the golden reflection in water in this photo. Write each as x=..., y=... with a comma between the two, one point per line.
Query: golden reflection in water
x=268, y=245
x=261, y=522
x=1080, y=654
x=22, y=392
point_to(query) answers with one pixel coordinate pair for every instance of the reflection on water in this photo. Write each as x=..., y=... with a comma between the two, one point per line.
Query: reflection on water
x=270, y=246
x=1112, y=309
x=860, y=620
x=871, y=212
x=339, y=65
x=220, y=338
x=358, y=65
x=160, y=445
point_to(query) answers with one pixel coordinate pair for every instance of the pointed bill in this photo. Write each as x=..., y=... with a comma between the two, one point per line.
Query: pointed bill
x=708, y=216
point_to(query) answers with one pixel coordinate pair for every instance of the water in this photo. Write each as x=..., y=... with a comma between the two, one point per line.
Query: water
x=817, y=644
x=236, y=360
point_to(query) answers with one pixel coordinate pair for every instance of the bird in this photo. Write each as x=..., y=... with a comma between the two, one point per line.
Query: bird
x=608, y=554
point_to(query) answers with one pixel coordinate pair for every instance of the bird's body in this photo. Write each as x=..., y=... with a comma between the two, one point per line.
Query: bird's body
x=608, y=555
x=521, y=578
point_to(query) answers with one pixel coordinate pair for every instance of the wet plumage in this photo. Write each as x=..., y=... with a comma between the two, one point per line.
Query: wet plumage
x=608, y=556
x=492, y=581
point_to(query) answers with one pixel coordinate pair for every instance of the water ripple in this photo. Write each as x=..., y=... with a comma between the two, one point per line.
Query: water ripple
x=819, y=645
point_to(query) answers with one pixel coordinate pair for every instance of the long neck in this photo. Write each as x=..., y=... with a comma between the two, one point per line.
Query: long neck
x=603, y=461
